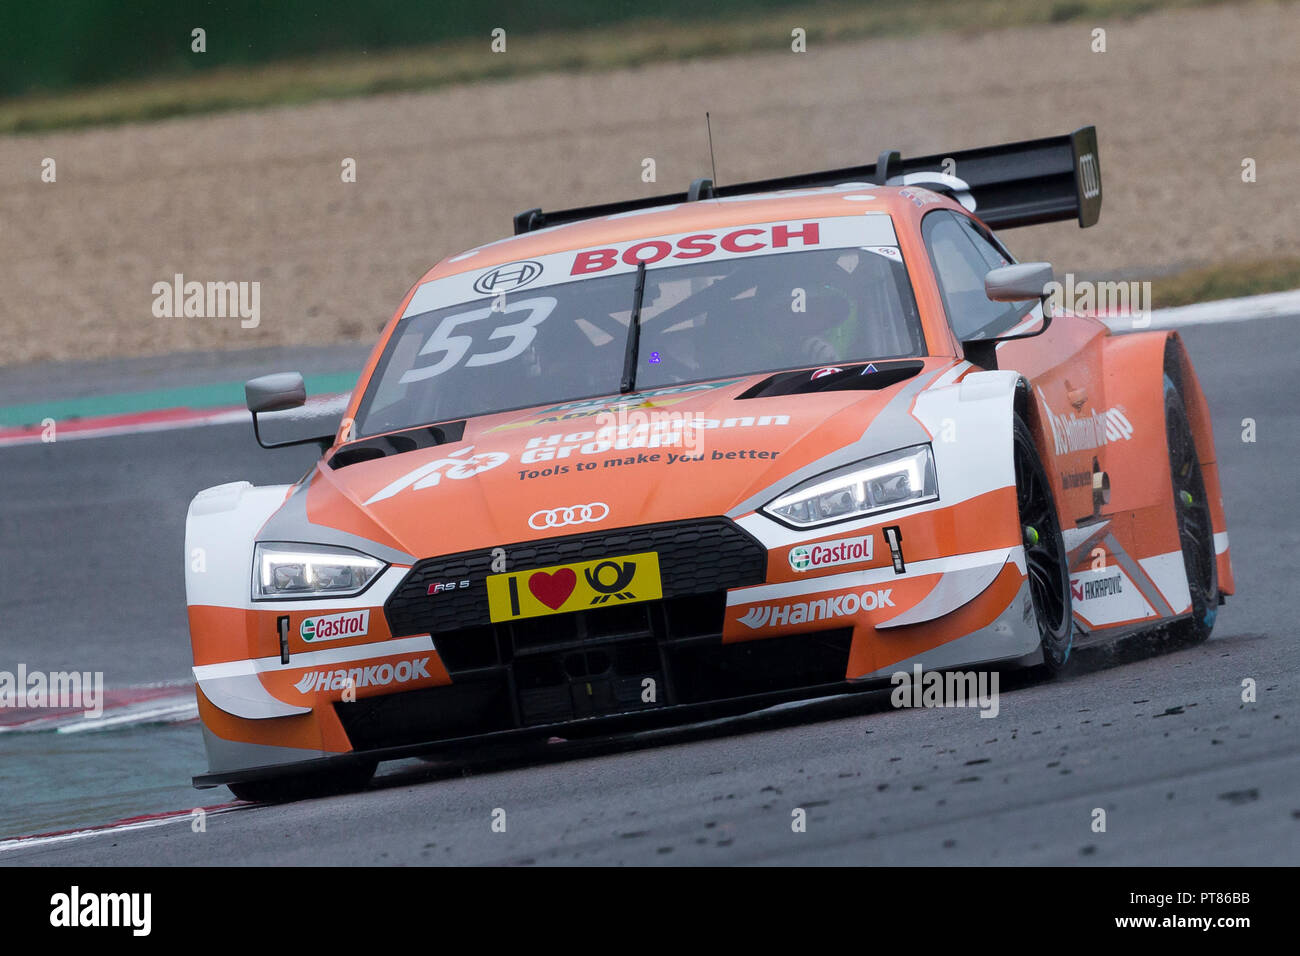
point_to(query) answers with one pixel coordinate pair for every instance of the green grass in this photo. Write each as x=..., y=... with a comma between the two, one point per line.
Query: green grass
x=1225, y=281
x=627, y=44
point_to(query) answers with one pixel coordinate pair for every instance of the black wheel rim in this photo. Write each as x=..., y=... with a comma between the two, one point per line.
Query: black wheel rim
x=1045, y=558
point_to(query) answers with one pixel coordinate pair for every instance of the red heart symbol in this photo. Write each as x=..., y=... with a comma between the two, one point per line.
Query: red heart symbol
x=553, y=589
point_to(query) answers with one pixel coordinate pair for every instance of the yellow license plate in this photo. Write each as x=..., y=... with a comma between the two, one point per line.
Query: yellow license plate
x=581, y=586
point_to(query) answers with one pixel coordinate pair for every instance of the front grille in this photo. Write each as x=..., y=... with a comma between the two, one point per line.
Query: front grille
x=598, y=662
x=695, y=557
x=496, y=645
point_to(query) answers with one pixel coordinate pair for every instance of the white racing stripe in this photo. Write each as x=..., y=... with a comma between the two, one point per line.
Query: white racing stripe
x=325, y=658
x=864, y=578
x=1168, y=573
x=950, y=376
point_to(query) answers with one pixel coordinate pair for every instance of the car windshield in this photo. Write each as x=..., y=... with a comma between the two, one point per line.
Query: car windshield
x=702, y=321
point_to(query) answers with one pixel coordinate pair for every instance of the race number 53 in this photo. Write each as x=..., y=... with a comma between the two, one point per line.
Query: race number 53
x=518, y=335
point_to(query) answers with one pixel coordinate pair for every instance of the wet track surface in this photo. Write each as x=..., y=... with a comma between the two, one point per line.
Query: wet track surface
x=1162, y=741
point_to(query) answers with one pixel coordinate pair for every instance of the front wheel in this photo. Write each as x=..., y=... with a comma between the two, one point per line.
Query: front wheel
x=1046, y=560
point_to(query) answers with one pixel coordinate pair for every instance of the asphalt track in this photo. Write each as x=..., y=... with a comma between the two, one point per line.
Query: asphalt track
x=1186, y=772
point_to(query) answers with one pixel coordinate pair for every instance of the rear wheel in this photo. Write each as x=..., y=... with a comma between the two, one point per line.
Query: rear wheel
x=1195, y=528
x=1046, y=559
x=302, y=786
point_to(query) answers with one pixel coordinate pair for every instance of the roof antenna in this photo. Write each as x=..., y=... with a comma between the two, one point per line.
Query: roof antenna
x=703, y=188
x=712, y=164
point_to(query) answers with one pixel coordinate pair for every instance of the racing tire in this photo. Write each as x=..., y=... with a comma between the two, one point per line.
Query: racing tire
x=1046, y=559
x=303, y=786
x=1195, y=526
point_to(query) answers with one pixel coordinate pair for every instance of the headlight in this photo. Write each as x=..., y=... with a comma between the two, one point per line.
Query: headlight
x=883, y=483
x=311, y=570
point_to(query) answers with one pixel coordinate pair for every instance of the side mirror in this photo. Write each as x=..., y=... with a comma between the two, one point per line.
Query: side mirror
x=275, y=392
x=280, y=392
x=1018, y=283
x=1021, y=282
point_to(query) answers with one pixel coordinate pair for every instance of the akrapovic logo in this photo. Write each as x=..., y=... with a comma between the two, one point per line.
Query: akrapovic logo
x=331, y=627
x=1098, y=587
x=379, y=675
x=826, y=554
x=771, y=615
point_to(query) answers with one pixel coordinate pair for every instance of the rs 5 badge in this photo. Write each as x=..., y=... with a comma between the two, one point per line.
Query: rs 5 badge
x=580, y=586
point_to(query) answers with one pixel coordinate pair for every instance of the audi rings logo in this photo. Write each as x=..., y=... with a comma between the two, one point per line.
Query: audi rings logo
x=577, y=514
x=508, y=277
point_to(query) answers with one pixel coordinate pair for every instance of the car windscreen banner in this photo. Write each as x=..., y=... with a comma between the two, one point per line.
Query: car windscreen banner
x=765, y=238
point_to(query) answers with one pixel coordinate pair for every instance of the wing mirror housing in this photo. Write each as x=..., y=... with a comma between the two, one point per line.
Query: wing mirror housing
x=279, y=392
x=275, y=392
x=1021, y=282
x=1018, y=283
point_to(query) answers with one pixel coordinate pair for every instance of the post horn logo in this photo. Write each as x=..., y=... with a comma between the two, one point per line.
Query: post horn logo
x=617, y=587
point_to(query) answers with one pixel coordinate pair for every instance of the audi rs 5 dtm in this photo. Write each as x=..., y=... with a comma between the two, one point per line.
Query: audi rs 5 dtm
x=653, y=459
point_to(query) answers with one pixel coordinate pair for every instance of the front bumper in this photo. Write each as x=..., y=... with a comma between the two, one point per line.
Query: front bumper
x=612, y=667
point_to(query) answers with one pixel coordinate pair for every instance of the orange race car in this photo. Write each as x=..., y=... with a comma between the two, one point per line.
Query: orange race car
x=701, y=452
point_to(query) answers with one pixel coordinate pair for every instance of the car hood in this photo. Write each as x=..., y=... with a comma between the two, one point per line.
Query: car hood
x=542, y=472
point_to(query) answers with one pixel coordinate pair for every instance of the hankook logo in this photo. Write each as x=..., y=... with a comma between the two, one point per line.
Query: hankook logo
x=507, y=278
x=846, y=605
x=576, y=514
x=364, y=676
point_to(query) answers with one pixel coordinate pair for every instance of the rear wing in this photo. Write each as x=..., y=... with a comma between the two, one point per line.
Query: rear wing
x=1017, y=184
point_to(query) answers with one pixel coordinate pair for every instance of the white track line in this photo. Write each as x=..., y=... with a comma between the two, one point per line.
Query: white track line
x=323, y=407
x=179, y=816
x=1268, y=306
x=171, y=709
x=179, y=712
